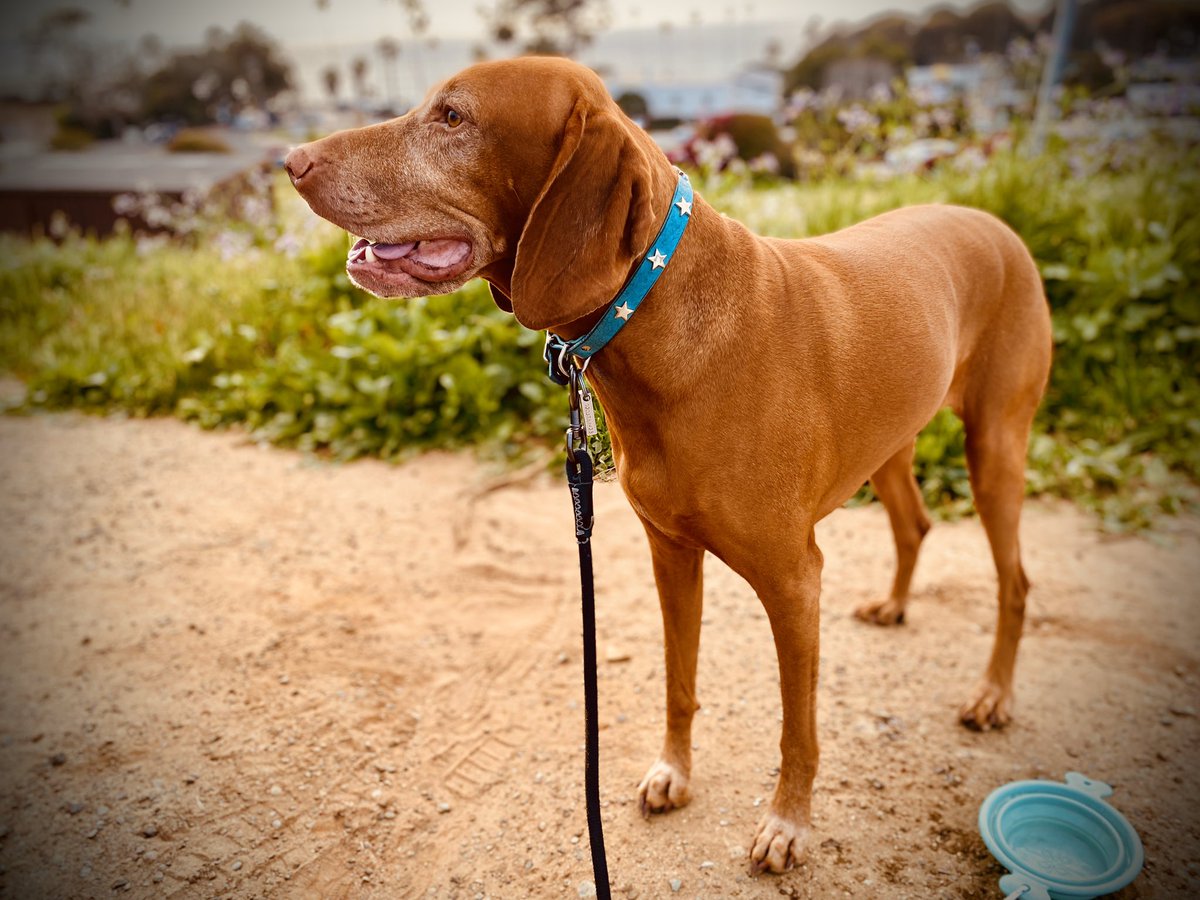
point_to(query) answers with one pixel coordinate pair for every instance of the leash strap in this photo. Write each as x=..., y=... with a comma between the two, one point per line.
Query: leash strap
x=579, y=479
x=566, y=361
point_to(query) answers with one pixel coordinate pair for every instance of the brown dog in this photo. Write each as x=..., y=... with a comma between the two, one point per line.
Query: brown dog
x=762, y=382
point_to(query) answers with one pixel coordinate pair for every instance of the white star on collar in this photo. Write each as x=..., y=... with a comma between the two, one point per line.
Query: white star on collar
x=623, y=312
x=685, y=206
x=657, y=261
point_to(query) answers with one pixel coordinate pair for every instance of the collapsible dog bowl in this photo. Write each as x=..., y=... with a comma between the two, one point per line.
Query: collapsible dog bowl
x=1059, y=841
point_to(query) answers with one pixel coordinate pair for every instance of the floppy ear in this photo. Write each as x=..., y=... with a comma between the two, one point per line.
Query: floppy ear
x=592, y=220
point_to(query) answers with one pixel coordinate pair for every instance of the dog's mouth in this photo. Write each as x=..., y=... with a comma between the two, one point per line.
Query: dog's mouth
x=430, y=260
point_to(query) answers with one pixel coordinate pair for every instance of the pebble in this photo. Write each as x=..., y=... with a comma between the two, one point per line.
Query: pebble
x=149, y=831
x=443, y=807
x=616, y=655
x=284, y=679
x=277, y=823
x=276, y=790
x=150, y=855
x=58, y=759
x=237, y=865
x=157, y=877
x=74, y=809
x=676, y=884
x=1188, y=712
x=707, y=864
x=587, y=889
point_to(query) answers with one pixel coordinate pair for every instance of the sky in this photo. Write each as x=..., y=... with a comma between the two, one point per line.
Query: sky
x=299, y=22
x=711, y=39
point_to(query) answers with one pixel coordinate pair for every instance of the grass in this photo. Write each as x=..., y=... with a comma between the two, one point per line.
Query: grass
x=254, y=323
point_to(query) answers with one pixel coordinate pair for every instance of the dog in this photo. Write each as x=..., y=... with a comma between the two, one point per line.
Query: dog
x=761, y=384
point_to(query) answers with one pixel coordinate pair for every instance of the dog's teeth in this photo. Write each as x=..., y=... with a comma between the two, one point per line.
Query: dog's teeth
x=370, y=254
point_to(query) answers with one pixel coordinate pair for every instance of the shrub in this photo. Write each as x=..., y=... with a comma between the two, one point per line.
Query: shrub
x=68, y=137
x=751, y=138
x=259, y=326
x=197, y=140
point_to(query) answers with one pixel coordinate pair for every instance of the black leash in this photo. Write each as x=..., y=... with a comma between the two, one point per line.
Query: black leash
x=579, y=479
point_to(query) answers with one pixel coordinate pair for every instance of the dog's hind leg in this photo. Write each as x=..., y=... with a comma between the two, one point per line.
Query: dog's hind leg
x=897, y=488
x=997, y=434
x=678, y=572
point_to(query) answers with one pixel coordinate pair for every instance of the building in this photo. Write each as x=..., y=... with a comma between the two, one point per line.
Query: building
x=756, y=90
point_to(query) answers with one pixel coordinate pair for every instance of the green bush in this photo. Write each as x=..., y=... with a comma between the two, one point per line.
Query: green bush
x=268, y=333
x=68, y=137
x=197, y=140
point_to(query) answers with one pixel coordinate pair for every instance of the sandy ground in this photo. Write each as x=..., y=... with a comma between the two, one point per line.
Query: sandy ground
x=231, y=671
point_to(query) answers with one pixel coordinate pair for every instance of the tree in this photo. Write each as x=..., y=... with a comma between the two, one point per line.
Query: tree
x=240, y=69
x=633, y=105
x=888, y=38
x=358, y=73
x=389, y=52
x=70, y=76
x=332, y=79
x=551, y=27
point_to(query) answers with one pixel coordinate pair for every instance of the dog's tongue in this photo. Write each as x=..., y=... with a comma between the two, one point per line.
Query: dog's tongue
x=439, y=254
x=393, y=251
x=436, y=254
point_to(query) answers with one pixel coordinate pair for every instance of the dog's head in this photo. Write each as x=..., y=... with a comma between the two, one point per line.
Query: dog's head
x=523, y=171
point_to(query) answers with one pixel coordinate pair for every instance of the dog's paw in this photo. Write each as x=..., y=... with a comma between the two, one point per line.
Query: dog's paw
x=989, y=707
x=665, y=787
x=882, y=612
x=779, y=844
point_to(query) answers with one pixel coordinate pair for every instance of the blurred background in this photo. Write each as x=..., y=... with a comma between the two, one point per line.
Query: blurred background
x=144, y=138
x=226, y=672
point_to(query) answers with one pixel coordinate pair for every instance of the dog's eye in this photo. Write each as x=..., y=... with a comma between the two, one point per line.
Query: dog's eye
x=453, y=118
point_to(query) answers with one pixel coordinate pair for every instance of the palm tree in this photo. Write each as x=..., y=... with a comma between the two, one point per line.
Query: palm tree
x=332, y=79
x=358, y=72
x=389, y=52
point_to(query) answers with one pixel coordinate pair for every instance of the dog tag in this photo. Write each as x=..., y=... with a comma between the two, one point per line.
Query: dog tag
x=589, y=412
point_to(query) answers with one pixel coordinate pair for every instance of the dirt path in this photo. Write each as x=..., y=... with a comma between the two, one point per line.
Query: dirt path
x=231, y=671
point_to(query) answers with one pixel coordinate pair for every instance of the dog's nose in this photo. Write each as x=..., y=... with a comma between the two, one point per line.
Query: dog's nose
x=298, y=163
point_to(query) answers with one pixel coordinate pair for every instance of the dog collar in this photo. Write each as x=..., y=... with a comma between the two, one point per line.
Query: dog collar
x=620, y=311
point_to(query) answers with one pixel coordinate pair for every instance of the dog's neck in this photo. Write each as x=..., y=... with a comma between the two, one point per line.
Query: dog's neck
x=657, y=358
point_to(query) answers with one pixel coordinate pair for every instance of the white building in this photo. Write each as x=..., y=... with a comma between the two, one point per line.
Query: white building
x=751, y=91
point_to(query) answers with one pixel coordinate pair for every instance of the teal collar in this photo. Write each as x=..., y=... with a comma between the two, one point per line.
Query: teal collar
x=621, y=310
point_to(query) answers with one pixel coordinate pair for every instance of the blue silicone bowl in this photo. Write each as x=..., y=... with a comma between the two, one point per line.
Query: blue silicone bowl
x=1059, y=841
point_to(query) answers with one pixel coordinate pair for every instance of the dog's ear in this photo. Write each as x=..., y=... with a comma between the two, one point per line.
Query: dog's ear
x=592, y=220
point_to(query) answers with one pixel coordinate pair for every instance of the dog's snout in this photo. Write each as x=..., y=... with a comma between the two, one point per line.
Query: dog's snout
x=298, y=163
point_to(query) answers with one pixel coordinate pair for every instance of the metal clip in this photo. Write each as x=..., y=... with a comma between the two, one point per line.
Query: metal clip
x=576, y=436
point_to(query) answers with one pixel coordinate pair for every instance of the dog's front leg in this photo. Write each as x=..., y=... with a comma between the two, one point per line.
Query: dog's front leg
x=678, y=572
x=790, y=596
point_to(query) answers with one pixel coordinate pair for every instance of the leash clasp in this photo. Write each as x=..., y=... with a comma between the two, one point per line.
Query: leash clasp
x=576, y=432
